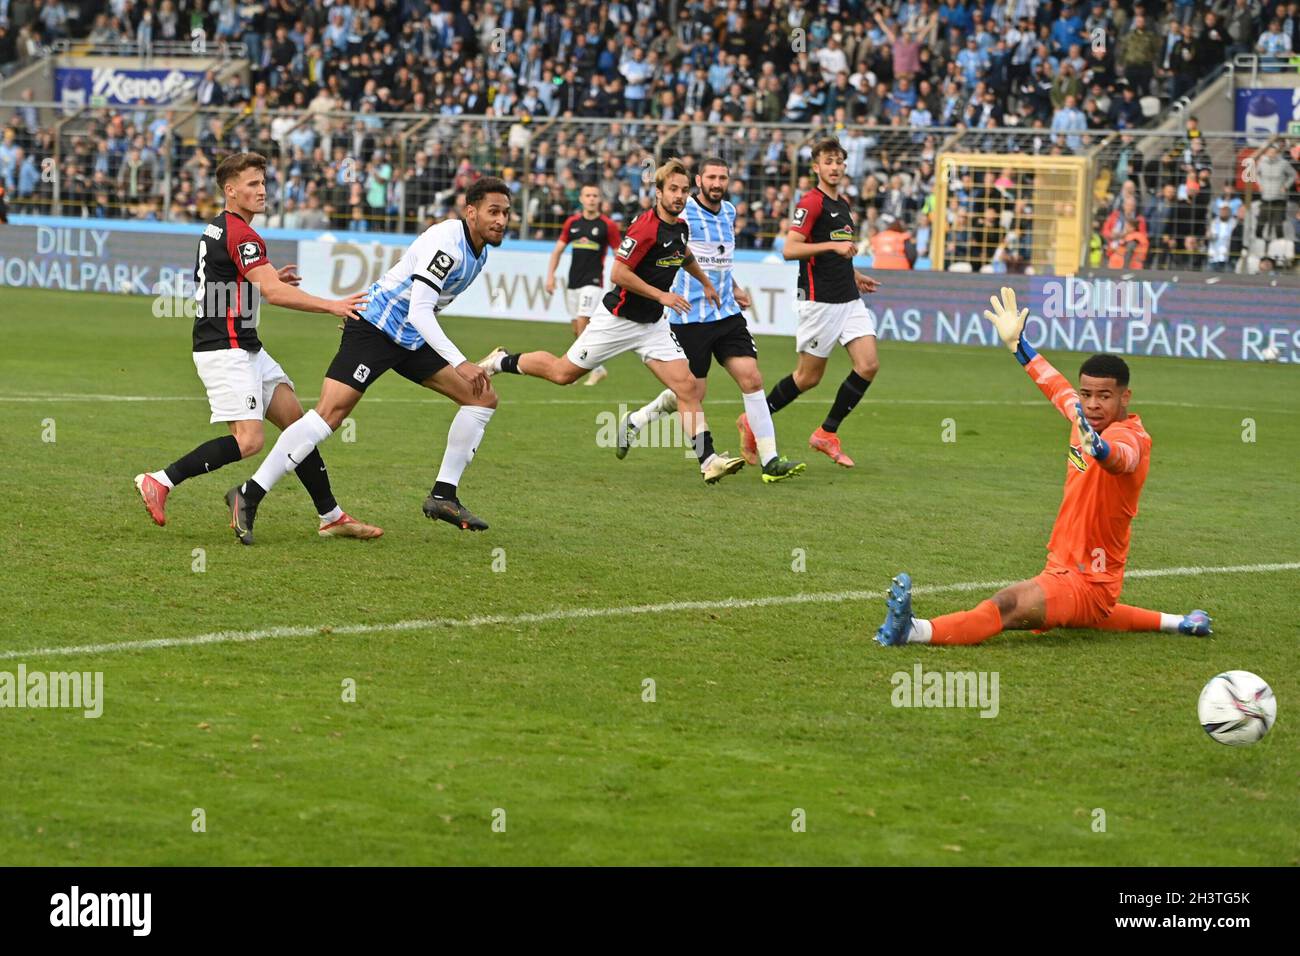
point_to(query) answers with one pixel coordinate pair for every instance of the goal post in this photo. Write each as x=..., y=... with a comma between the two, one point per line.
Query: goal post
x=1025, y=211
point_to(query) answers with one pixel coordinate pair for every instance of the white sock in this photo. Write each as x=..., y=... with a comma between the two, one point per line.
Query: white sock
x=463, y=436
x=294, y=444
x=760, y=423
x=333, y=516
x=161, y=478
x=1169, y=622
x=921, y=631
x=600, y=369
x=665, y=403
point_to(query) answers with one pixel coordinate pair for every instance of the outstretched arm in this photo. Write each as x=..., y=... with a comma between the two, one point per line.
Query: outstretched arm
x=1119, y=453
x=281, y=288
x=1009, y=320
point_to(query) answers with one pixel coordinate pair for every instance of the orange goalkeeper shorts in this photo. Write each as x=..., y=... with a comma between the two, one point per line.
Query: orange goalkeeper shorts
x=1072, y=599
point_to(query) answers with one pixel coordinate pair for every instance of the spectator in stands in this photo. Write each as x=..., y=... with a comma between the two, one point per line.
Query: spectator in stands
x=1162, y=228
x=1138, y=54
x=892, y=246
x=1183, y=63
x=1276, y=178
x=1274, y=42
x=1240, y=21
x=1070, y=120
x=1126, y=111
x=861, y=65
x=1126, y=237
x=1223, y=241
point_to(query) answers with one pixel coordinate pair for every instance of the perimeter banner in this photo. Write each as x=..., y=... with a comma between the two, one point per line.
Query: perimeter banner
x=1187, y=315
x=85, y=256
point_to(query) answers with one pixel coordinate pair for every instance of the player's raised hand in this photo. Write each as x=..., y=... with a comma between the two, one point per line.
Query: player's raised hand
x=865, y=283
x=1093, y=443
x=1006, y=318
x=475, y=375
x=351, y=307
x=671, y=300
x=289, y=275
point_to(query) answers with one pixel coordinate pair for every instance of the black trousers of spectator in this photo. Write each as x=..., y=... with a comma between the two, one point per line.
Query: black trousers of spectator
x=1162, y=252
x=1181, y=84
x=1140, y=79
x=1272, y=213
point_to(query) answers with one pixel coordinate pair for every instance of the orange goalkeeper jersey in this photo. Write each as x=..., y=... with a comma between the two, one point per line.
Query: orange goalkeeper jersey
x=1092, y=526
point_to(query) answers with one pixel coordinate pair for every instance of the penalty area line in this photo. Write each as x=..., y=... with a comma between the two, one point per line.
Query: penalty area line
x=585, y=613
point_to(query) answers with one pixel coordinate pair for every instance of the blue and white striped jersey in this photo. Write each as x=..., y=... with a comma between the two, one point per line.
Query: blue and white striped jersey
x=442, y=258
x=713, y=243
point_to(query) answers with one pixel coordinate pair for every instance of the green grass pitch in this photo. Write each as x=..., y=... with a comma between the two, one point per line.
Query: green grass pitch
x=760, y=709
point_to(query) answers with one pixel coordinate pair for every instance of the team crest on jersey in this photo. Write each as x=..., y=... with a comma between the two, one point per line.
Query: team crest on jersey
x=362, y=373
x=1075, y=457
x=249, y=252
x=251, y=402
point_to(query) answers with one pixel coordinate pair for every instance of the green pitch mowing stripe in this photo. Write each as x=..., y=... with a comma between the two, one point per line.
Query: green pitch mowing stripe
x=582, y=613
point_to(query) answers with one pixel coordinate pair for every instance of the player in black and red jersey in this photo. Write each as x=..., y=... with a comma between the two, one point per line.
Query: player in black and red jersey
x=831, y=312
x=245, y=385
x=588, y=235
x=631, y=317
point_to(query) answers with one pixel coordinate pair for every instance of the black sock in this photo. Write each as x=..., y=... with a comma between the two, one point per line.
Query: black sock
x=311, y=472
x=782, y=394
x=851, y=391
x=511, y=364
x=209, y=456
x=253, y=492
x=704, y=445
x=443, y=489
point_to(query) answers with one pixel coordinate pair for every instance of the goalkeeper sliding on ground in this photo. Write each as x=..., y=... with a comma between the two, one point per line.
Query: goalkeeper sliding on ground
x=1107, y=464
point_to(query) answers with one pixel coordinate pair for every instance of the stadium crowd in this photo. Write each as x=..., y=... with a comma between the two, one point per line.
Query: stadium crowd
x=691, y=77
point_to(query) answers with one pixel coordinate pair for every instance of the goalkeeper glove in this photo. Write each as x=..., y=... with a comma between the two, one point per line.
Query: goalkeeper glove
x=1093, y=443
x=1010, y=322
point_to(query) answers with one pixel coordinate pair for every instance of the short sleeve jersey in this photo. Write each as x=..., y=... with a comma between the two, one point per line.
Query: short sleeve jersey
x=827, y=277
x=654, y=250
x=226, y=302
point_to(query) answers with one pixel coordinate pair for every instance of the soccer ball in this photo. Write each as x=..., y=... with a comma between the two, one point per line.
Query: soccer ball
x=1270, y=353
x=1237, y=708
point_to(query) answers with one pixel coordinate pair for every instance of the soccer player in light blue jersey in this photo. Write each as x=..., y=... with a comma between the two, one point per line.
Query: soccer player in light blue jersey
x=712, y=329
x=400, y=331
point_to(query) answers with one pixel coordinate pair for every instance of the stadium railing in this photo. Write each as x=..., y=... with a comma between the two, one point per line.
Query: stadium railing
x=1050, y=195
x=198, y=45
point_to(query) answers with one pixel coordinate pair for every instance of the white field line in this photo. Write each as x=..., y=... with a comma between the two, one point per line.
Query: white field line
x=584, y=613
x=36, y=398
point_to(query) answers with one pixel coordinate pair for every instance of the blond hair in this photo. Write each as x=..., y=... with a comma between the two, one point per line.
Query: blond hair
x=674, y=167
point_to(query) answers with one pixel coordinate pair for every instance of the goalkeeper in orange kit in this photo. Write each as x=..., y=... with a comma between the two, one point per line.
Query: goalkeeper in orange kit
x=1107, y=464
